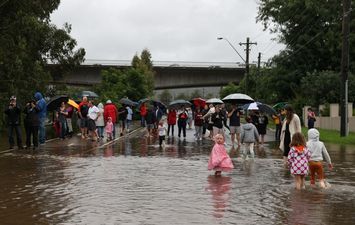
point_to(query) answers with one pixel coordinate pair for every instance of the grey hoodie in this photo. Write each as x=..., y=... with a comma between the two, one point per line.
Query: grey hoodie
x=316, y=147
x=249, y=133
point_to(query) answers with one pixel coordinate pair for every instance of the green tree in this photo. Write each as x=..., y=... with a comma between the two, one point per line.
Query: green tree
x=230, y=89
x=182, y=96
x=144, y=65
x=135, y=82
x=166, y=97
x=322, y=87
x=28, y=41
x=311, y=31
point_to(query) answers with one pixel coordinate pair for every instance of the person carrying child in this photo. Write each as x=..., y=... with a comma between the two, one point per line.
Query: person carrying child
x=318, y=151
x=298, y=158
x=219, y=159
x=109, y=129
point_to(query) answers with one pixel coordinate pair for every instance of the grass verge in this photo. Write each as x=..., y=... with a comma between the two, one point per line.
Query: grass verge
x=333, y=136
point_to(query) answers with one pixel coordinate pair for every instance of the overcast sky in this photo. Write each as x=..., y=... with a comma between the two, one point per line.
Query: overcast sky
x=173, y=30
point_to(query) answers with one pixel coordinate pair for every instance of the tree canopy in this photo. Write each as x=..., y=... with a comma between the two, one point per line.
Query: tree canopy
x=310, y=63
x=136, y=82
x=28, y=41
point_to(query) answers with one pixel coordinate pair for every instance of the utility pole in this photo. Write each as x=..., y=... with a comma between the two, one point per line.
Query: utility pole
x=247, y=50
x=259, y=61
x=345, y=69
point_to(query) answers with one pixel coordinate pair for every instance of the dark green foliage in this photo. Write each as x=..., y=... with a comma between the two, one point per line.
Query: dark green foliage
x=308, y=70
x=230, y=89
x=135, y=83
x=28, y=41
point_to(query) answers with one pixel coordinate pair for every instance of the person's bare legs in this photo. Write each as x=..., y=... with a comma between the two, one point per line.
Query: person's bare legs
x=298, y=182
x=238, y=139
x=233, y=138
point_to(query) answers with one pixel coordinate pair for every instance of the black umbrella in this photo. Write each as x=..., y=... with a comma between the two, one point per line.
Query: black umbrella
x=176, y=104
x=261, y=107
x=127, y=101
x=89, y=94
x=152, y=103
x=54, y=103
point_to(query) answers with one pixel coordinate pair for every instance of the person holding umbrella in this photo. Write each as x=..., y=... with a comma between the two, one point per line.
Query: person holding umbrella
x=31, y=122
x=171, y=121
x=234, y=124
x=13, y=113
x=82, y=113
x=182, y=119
x=61, y=115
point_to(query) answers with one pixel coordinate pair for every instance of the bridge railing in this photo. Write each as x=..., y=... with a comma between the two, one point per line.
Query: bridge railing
x=166, y=63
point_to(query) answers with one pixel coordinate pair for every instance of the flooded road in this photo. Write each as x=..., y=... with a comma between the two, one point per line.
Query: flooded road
x=134, y=181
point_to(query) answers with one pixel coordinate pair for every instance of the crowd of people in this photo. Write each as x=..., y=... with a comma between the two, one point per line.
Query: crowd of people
x=35, y=112
x=94, y=121
x=300, y=156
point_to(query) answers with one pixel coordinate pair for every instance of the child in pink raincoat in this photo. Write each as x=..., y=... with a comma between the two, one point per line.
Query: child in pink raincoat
x=219, y=158
x=109, y=128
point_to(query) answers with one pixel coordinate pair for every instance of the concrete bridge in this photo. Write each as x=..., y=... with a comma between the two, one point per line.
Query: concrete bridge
x=169, y=75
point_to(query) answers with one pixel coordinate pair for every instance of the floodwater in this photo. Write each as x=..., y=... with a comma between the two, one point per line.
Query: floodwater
x=134, y=181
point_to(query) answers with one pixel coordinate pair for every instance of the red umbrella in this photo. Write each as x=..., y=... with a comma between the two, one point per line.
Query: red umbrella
x=199, y=102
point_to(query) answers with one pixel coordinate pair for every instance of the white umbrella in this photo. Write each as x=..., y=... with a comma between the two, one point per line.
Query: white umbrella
x=214, y=101
x=238, y=98
x=253, y=106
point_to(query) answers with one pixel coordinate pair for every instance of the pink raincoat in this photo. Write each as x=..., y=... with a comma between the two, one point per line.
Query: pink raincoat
x=219, y=159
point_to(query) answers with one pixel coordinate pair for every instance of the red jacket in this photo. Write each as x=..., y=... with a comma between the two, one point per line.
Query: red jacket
x=172, y=117
x=110, y=110
x=143, y=110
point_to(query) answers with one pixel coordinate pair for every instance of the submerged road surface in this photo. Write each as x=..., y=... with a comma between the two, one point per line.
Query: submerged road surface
x=134, y=181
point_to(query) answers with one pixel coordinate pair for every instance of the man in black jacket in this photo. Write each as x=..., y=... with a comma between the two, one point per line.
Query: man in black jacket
x=13, y=113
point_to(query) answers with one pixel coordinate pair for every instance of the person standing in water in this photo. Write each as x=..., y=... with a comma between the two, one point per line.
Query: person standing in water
x=298, y=158
x=219, y=159
x=318, y=151
x=290, y=126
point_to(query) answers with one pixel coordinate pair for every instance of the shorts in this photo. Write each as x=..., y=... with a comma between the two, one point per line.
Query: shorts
x=316, y=167
x=235, y=129
x=91, y=125
x=84, y=122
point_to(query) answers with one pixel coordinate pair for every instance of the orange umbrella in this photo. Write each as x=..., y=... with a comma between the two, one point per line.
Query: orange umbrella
x=73, y=103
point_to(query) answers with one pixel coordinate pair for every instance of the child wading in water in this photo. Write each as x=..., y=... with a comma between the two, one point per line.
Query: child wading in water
x=162, y=133
x=219, y=159
x=318, y=151
x=109, y=128
x=298, y=159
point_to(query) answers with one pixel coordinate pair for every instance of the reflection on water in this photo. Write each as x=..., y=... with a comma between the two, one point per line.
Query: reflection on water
x=219, y=187
x=134, y=181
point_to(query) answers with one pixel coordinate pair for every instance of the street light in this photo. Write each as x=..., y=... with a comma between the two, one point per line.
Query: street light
x=223, y=38
x=246, y=63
